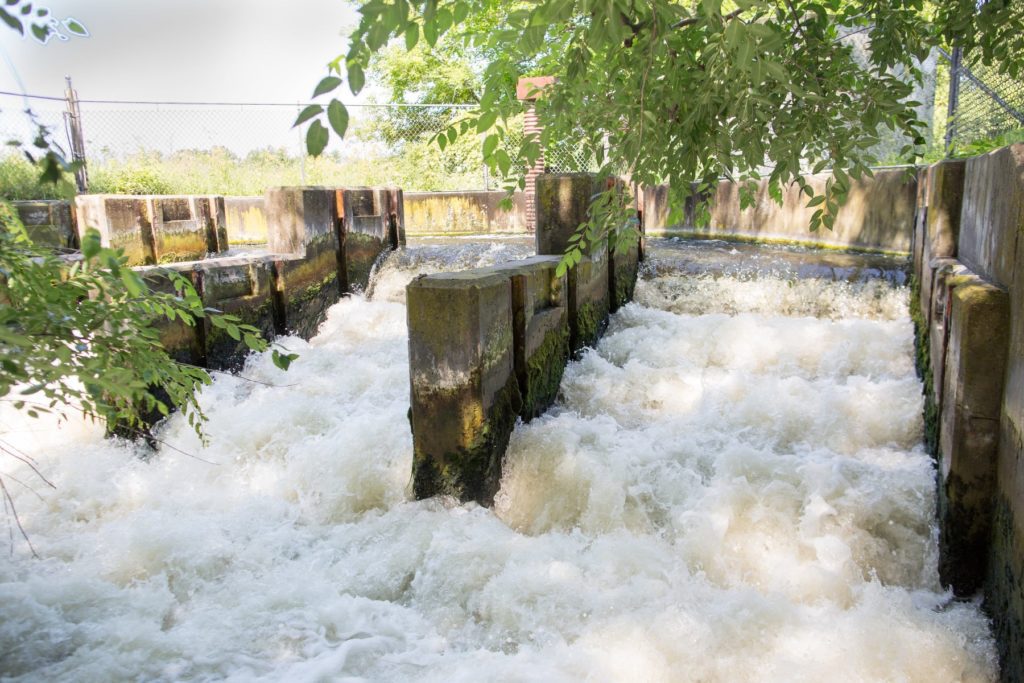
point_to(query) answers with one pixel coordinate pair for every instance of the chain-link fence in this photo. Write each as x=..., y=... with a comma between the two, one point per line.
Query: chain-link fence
x=979, y=105
x=243, y=148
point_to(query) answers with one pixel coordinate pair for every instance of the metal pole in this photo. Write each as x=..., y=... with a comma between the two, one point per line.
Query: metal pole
x=954, y=98
x=302, y=150
x=75, y=136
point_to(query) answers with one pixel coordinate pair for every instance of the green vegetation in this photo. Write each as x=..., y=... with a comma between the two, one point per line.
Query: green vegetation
x=675, y=92
x=79, y=337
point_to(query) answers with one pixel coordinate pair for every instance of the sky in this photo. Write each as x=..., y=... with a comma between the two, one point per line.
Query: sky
x=185, y=50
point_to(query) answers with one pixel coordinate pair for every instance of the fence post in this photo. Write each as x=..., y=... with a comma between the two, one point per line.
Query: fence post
x=954, y=97
x=76, y=138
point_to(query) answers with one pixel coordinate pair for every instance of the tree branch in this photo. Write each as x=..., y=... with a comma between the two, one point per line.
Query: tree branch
x=690, y=21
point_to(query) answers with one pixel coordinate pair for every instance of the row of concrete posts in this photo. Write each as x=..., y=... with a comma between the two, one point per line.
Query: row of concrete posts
x=968, y=262
x=488, y=346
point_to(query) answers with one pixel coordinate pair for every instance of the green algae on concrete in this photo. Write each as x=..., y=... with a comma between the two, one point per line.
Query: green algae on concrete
x=540, y=334
x=465, y=394
x=976, y=355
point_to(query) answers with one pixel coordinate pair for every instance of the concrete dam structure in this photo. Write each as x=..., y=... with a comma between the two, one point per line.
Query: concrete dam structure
x=721, y=475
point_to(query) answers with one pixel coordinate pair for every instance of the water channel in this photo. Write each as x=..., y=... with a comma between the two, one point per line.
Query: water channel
x=732, y=487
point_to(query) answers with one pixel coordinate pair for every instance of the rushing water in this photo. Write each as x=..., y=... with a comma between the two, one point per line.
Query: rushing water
x=732, y=488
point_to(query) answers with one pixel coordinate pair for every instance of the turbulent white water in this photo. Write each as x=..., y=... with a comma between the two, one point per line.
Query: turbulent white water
x=717, y=497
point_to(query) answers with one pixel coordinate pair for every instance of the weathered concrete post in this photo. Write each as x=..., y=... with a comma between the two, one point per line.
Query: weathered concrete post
x=540, y=330
x=942, y=229
x=465, y=394
x=979, y=331
x=563, y=203
x=301, y=228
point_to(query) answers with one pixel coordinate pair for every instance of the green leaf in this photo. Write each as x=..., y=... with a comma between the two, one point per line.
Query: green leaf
x=356, y=78
x=816, y=201
x=325, y=86
x=460, y=12
x=412, y=36
x=430, y=33
x=442, y=140
x=316, y=139
x=283, y=360
x=337, y=115
x=308, y=113
x=486, y=120
x=92, y=243
x=12, y=21
x=74, y=27
x=490, y=144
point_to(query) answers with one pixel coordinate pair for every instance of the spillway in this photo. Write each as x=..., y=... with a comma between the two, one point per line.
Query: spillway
x=731, y=487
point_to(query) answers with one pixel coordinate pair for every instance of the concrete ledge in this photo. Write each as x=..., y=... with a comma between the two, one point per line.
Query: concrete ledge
x=979, y=331
x=49, y=223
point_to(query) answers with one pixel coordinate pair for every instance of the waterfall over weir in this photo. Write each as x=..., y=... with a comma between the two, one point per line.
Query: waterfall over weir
x=732, y=487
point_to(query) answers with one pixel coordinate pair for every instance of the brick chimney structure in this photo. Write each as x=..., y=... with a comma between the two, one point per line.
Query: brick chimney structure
x=528, y=90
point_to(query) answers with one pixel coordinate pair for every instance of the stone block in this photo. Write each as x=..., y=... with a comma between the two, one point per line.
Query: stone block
x=993, y=213
x=123, y=223
x=540, y=330
x=976, y=355
x=589, y=300
x=49, y=223
x=465, y=394
x=304, y=236
x=246, y=220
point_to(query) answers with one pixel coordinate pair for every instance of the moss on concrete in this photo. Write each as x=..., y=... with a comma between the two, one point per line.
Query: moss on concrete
x=590, y=322
x=923, y=365
x=1004, y=591
x=544, y=370
x=472, y=472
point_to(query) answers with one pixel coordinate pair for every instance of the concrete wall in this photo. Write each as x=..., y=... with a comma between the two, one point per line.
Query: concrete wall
x=155, y=229
x=49, y=223
x=969, y=319
x=454, y=213
x=878, y=214
x=289, y=290
x=488, y=346
x=246, y=220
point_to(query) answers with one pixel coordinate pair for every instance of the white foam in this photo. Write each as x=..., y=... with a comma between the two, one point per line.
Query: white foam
x=717, y=498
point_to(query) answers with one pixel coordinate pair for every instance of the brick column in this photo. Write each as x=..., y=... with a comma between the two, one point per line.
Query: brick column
x=527, y=90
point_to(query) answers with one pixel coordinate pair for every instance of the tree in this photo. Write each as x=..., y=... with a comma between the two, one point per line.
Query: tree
x=693, y=91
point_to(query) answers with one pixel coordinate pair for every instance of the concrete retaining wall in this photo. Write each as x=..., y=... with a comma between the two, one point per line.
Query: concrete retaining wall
x=290, y=289
x=49, y=223
x=155, y=229
x=246, y=220
x=489, y=346
x=969, y=318
x=878, y=214
x=455, y=213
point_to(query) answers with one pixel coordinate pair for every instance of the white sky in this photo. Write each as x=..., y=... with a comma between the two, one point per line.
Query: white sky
x=205, y=50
